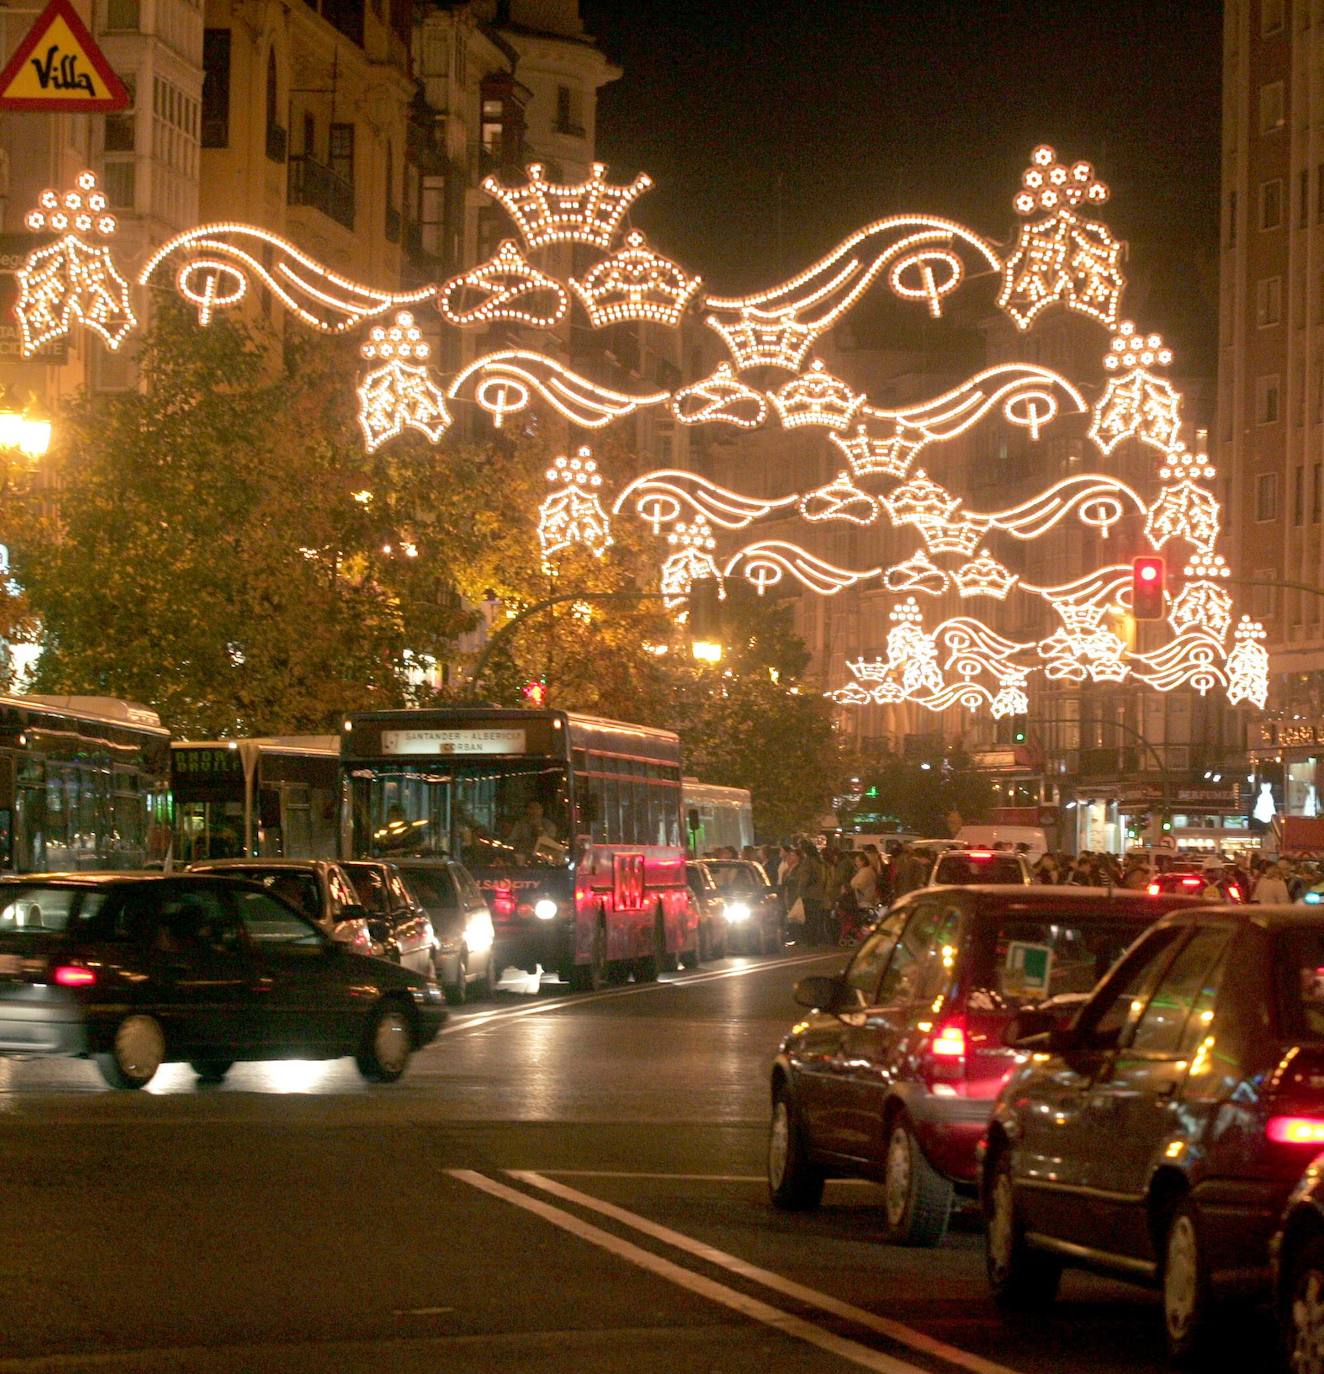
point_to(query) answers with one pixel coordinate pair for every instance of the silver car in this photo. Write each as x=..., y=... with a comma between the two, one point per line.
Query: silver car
x=464, y=958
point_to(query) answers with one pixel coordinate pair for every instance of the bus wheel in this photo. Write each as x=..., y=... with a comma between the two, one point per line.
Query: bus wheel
x=618, y=972
x=592, y=977
x=666, y=961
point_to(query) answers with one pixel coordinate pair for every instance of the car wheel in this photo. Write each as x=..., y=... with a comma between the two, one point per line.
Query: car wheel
x=487, y=984
x=772, y=940
x=211, y=1070
x=917, y=1199
x=794, y=1183
x=457, y=993
x=1021, y=1278
x=1301, y=1318
x=136, y=1054
x=388, y=1041
x=1187, y=1293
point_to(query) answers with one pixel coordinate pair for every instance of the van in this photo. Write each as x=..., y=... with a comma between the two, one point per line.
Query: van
x=1033, y=837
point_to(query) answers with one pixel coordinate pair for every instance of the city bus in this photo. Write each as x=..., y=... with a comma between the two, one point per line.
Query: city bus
x=570, y=825
x=716, y=817
x=274, y=798
x=84, y=784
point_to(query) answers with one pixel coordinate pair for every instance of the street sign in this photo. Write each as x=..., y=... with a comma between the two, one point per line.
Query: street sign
x=58, y=66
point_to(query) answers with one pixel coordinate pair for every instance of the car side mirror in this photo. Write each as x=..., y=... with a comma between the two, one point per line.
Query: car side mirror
x=818, y=991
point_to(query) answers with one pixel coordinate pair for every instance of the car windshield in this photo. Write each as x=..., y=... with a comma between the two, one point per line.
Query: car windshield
x=736, y=877
x=434, y=887
x=1299, y=965
x=297, y=885
x=962, y=869
x=270, y=922
x=46, y=910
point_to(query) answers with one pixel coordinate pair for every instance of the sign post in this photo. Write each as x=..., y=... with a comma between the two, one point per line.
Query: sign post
x=58, y=66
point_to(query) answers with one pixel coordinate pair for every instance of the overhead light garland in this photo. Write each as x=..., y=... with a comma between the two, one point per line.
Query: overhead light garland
x=399, y=394
x=572, y=514
x=505, y=288
x=635, y=284
x=547, y=212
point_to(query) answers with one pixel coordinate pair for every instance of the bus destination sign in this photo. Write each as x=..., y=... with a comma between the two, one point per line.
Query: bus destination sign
x=479, y=739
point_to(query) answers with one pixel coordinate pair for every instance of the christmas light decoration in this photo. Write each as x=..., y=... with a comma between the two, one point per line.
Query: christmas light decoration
x=1047, y=184
x=1207, y=565
x=778, y=327
x=1011, y=699
x=816, y=398
x=217, y=257
x=588, y=212
x=506, y=287
x=573, y=514
x=399, y=393
x=1130, y=349
x=840, y=499
x=764, y=565
x=72, y=281
x=1248, y=665
x=721, y=398
x=661, y=496
x=1183, y=511
x=917, y=574
x=635, y=283
x=1201, y=605
x=1137, y=405
x=984, y=576
x=1191, y=660
x=1182, y=465
x=506, y=382
x=870, y=456
x=691, y=561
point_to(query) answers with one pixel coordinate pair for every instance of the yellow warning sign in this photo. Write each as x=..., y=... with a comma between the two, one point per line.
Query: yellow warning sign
x=58, y=66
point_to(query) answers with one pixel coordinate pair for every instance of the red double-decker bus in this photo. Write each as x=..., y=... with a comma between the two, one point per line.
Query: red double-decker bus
x=570, y=825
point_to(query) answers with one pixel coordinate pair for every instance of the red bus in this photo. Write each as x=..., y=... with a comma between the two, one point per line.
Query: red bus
x=570, y=825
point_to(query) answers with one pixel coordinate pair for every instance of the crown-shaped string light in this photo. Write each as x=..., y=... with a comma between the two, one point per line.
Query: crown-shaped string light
x=839, y=499
x=758, y=339
x=399, y=393
x=635, y=283
x=984, y=576
x=548, y=212
x=877, y=456
x=506, y=287
x=816, y=398
x=720, y=398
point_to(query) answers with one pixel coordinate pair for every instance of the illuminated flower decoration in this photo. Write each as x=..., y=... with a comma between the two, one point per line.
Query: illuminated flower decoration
x=1011, y=699
x=1202, y=564
x=635, y=283
x=1182, y=465
x=1130, y=349
x=917, y=574
x=691, y=562
x=912, y=655
x=840, y=499
x=816, y=398
x=505, y=288
x=1062, y=257
x=399, y=394
x=573, y=514
x=72, y=281
x=721, y=398
x=1183, y=511
x=868, y=456
x=1201, y=606
x=546, y=212
x=984, y=576
x=1137, y=405
x=1248, y=665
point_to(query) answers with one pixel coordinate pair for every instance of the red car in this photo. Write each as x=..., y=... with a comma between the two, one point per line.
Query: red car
x=1197, y=885
x=893, y=1072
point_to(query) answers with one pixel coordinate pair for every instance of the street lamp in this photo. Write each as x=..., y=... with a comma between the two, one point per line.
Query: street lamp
x=24, y=432
x=706, y=650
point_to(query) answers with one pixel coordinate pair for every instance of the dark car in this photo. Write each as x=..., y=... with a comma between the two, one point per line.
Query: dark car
x=711, y=910
x=1158, y=1136
x=1298, y=1259
x=892, y=1074
x=1203, y=884
x=465, y=959
x=755, y=913
x=136, y=970
x=961, y=867
x=397, y=920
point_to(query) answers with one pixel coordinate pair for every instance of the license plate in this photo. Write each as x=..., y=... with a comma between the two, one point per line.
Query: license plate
x=11, y=965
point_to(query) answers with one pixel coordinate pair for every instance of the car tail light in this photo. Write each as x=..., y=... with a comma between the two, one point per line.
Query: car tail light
x=1234, y=893
x=1153, y=889
x=1296, y=1130
x=948, y=1041
x=73, y=976
x=1192, y=882
x=978, y=854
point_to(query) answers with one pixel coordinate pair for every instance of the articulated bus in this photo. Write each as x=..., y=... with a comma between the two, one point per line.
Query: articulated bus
x=570, y=825
x=272, y=798
x=84, y=784
x=716, y=817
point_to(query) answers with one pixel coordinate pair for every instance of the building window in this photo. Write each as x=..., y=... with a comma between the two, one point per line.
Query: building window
x=1271, y=17
x=569, y=119
x=1271, y=204
x=1272, y=107
x=1319, y=192
x=216, y=88
x=341, y=152
x=309, y=136
x=122, y=14
x=431, y=214
x=120, y=184
x=1268, y=301
x=1266, y=496
x=493, y=130
x=1299, y=496
x=1266, y=400
x=120, y=127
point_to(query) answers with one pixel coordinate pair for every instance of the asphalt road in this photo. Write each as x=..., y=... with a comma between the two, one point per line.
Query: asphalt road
x=558, y=1184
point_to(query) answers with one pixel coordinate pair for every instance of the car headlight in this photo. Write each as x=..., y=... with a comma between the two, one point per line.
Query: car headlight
x=545, y=909
x=736, y=912
x=478, y=933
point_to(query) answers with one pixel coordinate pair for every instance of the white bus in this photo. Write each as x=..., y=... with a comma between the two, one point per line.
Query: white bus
x=716, y=817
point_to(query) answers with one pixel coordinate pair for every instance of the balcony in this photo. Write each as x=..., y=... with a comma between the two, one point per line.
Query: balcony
x=318, y=186
x=277, y=143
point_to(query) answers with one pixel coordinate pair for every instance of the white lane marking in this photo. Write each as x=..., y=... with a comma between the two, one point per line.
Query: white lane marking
x=884, y=1326
x=453, y=1027
x=785, y=1322
x=696, y=1178
x=420, y=1311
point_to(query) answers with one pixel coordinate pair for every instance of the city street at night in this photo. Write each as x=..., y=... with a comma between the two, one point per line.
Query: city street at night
x=557, y=1183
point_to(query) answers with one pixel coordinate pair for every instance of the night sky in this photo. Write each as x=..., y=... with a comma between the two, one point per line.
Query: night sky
x=841, y=112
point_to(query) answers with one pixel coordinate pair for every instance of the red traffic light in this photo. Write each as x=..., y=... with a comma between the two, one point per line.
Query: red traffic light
x=1148, y=576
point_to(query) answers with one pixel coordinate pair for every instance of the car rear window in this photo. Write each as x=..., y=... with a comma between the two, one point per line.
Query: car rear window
x=370, y=886
x=47, y=910
x=965, y=869
x=296, y=885
x=434, y=887
x=1299, y=966
x=1023, y=958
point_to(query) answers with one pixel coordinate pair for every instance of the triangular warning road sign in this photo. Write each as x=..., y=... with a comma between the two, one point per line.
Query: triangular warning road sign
x=58, y=66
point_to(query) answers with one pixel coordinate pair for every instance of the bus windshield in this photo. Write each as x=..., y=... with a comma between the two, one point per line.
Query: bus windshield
x=487, y=814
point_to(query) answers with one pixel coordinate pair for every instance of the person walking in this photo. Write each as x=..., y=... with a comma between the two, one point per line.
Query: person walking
x=811, y=890
x=1271, y=890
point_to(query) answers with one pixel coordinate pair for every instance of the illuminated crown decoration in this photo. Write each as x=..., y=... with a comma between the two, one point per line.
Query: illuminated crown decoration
x=920, y=499
x=506, y=287
x=757, y=339
x=399, y=393
x=72, y=281
x=877, y=457
x=721, y=398
x=635, y=284
x=816, y=398
x=984, y=576
x=589, y=212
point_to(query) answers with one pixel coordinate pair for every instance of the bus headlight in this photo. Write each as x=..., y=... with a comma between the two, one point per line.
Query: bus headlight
x=737, y=912
x=545, y=909
x=478, y=933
